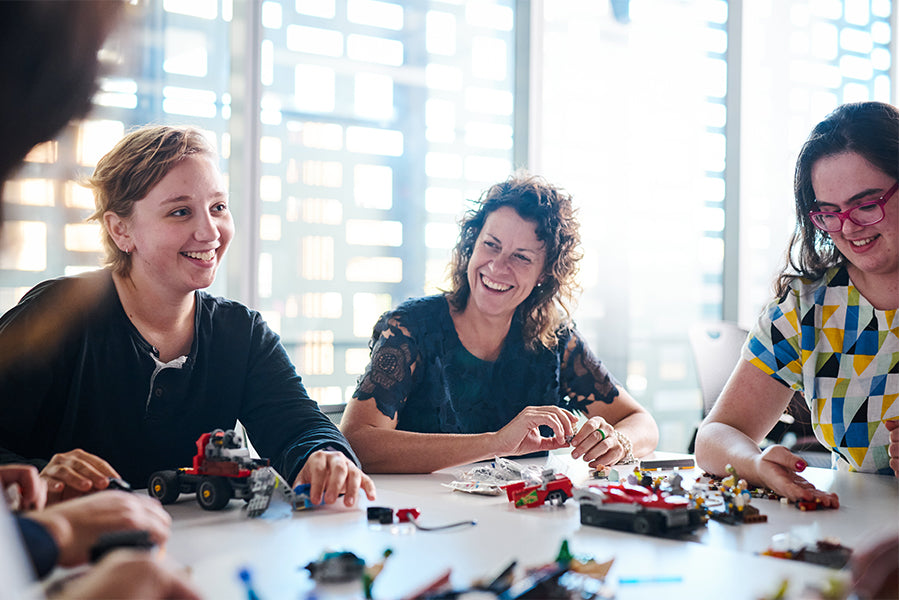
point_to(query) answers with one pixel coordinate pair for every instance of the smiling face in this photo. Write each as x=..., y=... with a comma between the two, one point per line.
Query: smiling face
x=843, y=181
x=178, y=233
x=507, y=262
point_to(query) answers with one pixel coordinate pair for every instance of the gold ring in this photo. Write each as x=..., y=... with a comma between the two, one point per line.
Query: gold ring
x=602, y=434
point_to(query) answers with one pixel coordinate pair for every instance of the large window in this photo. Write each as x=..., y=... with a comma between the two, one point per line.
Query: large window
x=632, y=121
x=378, y=120
x=800, y=60
x=676, y=126
x=353, y=132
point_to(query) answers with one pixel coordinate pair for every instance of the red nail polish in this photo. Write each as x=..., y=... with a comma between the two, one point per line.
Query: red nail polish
x=801, y=464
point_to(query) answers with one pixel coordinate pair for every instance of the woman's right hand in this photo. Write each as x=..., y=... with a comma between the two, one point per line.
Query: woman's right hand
x=75, y=473
x=522, y=435
x=777, y=468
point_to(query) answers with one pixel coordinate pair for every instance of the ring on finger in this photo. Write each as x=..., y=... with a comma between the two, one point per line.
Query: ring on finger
x=602, y=434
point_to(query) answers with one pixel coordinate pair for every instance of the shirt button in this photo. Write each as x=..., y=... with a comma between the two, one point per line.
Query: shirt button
x=158, y=392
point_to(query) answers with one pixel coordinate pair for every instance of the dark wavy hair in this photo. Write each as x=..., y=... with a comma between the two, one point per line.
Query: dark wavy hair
x=865, y=128
x=550, y=209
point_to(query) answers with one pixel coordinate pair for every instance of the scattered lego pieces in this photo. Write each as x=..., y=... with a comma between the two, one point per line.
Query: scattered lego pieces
x=713, y=482
x=637, y=477
x=490, y=479
x=671, y=463
x=566, y=577
x=804, y=543
x=735, y=507
x=830, y=589
x=371, y=573
x=406, y=515
x=629, y=507
x=826, y=553
x=475, y=487
x=588, y=566
x=605, y=472
x=552, y=489
x=344, y=567
x=385, y=516
x=266, y=482
x=815, y=504
x=336, y=567
x=382, y=514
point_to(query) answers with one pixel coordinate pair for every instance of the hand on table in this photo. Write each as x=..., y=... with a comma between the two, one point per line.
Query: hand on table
x=75, y=473
x=31, y=489
x=76, y=524
x=893, y=450
x=522, y=435
x=131, y=575
x=329, y=474
x=597, y=443
x=778, y=468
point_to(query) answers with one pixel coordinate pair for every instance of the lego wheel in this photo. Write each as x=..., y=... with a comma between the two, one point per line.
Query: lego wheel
x=643, y=524
x=213, y=493
x=556, y=497
x=163, y=485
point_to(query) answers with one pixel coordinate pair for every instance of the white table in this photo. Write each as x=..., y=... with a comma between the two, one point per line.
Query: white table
x=717, y=561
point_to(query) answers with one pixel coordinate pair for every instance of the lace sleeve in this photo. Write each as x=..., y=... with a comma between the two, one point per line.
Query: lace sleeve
x=583, y=378
x=389, y=377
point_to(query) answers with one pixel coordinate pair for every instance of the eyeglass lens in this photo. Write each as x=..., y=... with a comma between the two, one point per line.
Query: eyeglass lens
x=864, y=214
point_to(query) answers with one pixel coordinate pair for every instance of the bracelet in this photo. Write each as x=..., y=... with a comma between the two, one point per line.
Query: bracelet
x=626, y=443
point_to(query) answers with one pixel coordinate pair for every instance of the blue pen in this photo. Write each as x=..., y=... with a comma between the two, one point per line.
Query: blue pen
x=651, y=579
x=244, y=576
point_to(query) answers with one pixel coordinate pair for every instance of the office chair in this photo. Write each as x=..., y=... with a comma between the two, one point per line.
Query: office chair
x=716, y=347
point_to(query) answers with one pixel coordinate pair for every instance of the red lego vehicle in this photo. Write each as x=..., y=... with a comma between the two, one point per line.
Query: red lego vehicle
x=552, y=489
x=636, y=508
x=222, y=470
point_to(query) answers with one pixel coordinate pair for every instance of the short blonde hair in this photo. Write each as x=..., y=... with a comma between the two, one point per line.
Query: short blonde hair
x=131, y=169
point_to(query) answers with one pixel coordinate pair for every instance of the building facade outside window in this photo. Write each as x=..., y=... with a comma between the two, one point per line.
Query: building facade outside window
x=676, y=125
x=353, y=133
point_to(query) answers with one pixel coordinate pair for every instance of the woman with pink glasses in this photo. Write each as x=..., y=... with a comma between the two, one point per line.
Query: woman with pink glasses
x=831, y=332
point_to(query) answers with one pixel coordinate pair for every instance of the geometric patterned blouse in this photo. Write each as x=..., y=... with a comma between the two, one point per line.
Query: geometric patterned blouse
x=827, y=341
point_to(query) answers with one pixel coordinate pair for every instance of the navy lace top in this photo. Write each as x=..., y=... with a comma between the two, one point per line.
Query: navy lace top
x=421, y=373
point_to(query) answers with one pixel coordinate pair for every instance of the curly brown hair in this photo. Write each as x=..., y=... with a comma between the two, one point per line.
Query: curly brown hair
x=865, y=128
x=550, y=209
x=131, y=169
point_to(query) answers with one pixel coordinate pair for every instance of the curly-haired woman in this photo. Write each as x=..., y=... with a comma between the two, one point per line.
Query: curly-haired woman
x=494, y=366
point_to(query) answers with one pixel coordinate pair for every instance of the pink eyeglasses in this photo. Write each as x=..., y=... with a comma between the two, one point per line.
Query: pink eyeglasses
x=867, y=213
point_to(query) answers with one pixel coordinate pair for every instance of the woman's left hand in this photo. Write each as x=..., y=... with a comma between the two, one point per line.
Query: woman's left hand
x=597, y=443
x=329, y=474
